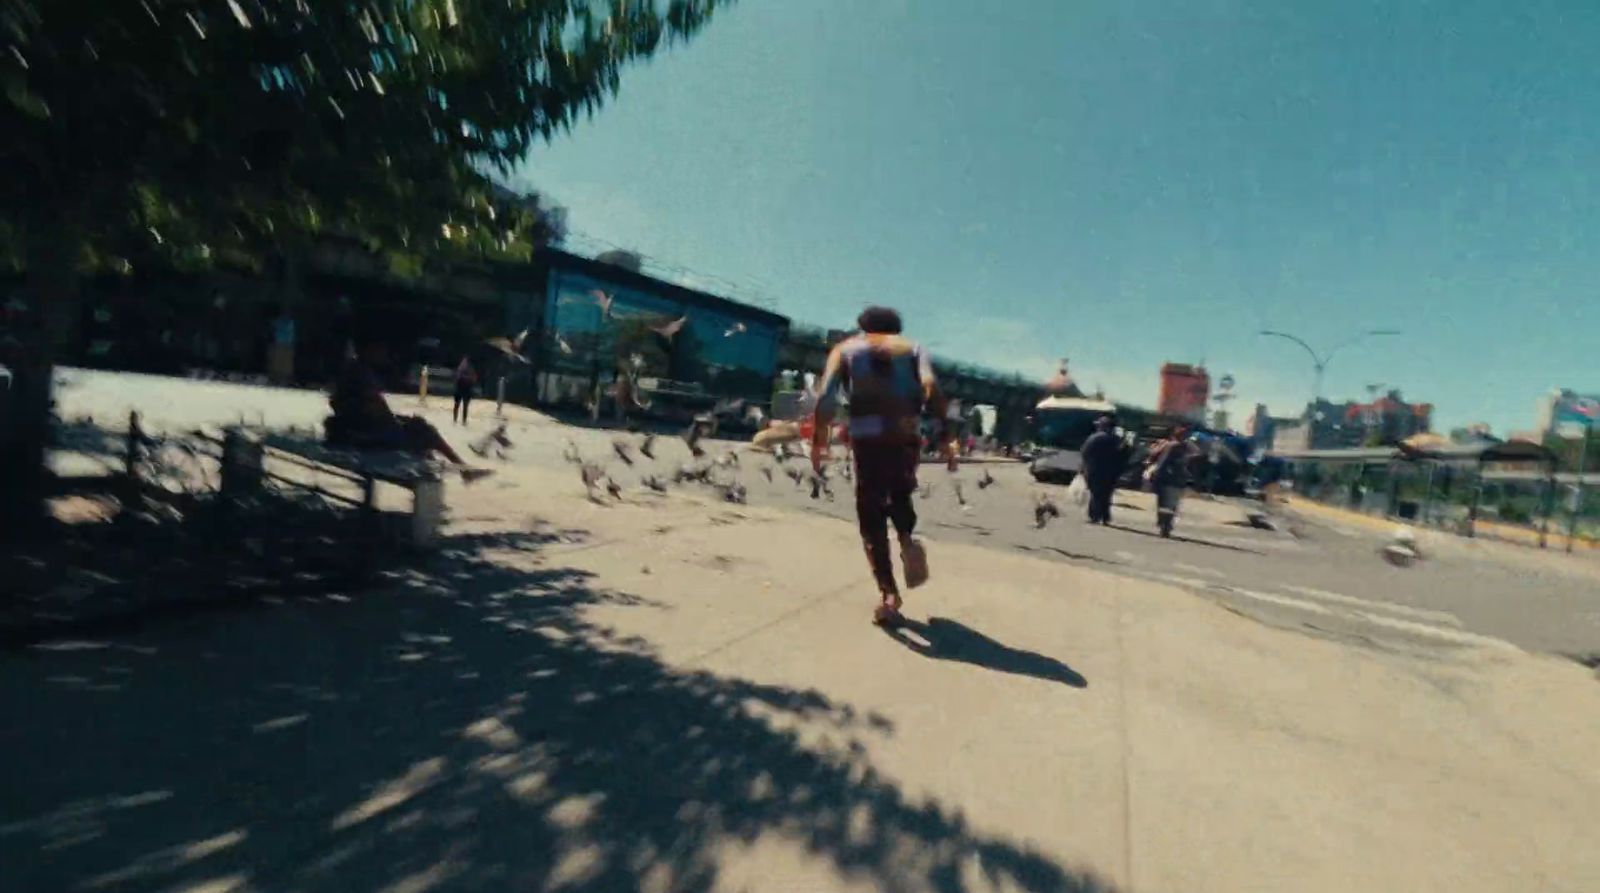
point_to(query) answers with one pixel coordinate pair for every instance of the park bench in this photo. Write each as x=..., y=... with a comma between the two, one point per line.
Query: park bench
x=244, y=455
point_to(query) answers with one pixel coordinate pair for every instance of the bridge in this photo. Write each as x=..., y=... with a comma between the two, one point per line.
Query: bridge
x=1012, y=395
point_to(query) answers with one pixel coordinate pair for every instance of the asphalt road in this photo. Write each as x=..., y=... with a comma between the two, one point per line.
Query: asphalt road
x=1319, y=577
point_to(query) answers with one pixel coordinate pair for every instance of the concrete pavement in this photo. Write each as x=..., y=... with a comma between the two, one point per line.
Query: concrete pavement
x=675, y=693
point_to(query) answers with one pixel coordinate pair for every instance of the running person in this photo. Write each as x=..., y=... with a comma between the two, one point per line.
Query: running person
x=890, y=381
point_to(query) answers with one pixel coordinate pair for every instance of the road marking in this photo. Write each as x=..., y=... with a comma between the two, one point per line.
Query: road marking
x=1203, y=571
x=1444, y=617
x=1456, y=636
x=1425, y=630
x=1192, y=582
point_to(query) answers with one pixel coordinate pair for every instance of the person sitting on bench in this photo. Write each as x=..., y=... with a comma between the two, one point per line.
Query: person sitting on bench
x=362, y=419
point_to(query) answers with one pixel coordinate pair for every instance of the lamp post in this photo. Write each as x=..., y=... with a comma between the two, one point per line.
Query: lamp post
x=1319, y=362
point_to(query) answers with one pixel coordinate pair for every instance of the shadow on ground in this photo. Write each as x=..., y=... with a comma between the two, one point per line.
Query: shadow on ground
x=944, y=639
x=466, y=729
x=1179, y=538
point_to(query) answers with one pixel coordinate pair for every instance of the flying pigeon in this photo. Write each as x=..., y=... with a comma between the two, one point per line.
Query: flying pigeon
x=986, y=481
x=512, y=347
x=563, y=346
x=620, y=447
x=767, y=473
x=796, y=475
x=614, y=488
x=604, y=300
x=648, y=448
x=735, y=329
x=654, y=483
x=692, y=438
x=671, y=329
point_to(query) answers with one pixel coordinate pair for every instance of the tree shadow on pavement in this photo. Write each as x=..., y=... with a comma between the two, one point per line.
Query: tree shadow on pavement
x=469, y=728
x=944, y=639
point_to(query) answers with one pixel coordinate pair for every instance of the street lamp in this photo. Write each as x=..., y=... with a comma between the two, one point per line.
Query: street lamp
x=1319, y=362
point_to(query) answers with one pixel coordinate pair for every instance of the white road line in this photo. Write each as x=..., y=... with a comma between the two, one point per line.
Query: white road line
x=1203, y=571
x=1425, y=630
x=1448, y=635
x=1444, y=617
x=1192, y=582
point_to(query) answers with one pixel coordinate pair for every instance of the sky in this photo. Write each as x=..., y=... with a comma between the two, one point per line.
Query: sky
x=1128, y=182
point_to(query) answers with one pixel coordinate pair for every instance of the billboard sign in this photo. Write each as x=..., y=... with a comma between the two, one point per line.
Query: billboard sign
x=1577, y=409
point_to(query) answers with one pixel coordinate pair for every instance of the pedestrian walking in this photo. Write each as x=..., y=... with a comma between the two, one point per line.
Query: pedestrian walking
x=889, y=382
x=466, y=382
x=1102, y=457
x=1168, y=474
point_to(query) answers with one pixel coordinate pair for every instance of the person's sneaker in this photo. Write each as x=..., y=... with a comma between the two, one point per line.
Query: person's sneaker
x=914, y=560
x=473, y=475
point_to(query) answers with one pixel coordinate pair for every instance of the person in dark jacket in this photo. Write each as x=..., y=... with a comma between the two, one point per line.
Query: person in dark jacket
x=1102, y=456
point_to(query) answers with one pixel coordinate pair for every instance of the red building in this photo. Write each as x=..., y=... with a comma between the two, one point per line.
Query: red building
x=1185, y=391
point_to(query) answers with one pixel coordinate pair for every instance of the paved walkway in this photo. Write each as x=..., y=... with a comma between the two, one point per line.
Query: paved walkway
x=679, y=694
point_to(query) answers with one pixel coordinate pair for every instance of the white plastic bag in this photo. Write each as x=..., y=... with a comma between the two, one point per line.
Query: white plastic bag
x=1078, y=490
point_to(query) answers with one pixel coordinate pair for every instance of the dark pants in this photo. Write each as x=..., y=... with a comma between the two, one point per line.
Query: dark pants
x=886, y=476
x=463, y=400
x=1100, y=493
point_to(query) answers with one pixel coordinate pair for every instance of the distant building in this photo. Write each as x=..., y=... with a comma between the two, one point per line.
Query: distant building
x=1185, y=391
x=1062, y=385
x=1326, y=425
x=1389, y=418
x=1564, y=412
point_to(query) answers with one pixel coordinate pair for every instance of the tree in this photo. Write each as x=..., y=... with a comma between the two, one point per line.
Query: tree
x=257, y=124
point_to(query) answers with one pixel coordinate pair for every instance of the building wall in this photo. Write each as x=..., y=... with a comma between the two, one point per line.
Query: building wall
x=1185, y=391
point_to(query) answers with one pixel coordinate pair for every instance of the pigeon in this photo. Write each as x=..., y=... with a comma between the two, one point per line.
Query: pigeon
x=1044, y=508
x=728, y=459
x=614, y=488
x=604, y=300
x=735, y=493
x=986, y=481
x=591, y=474
x=1402, y=550
x=563, y=346
x=570, y=454
x=819, y=487
x=767, y=473
x=512, y=347
x=648, y=448
x=796, y=475
x=692, y=438
x=735, y=329
x=961, y=498
x=620, y=447
x=671, y=329
x=497, y=437
x=847, y=472
x=654, y=483
x=689, y=472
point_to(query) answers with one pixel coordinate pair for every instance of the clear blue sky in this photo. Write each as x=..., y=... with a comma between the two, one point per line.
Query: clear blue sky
x=1125, y=182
